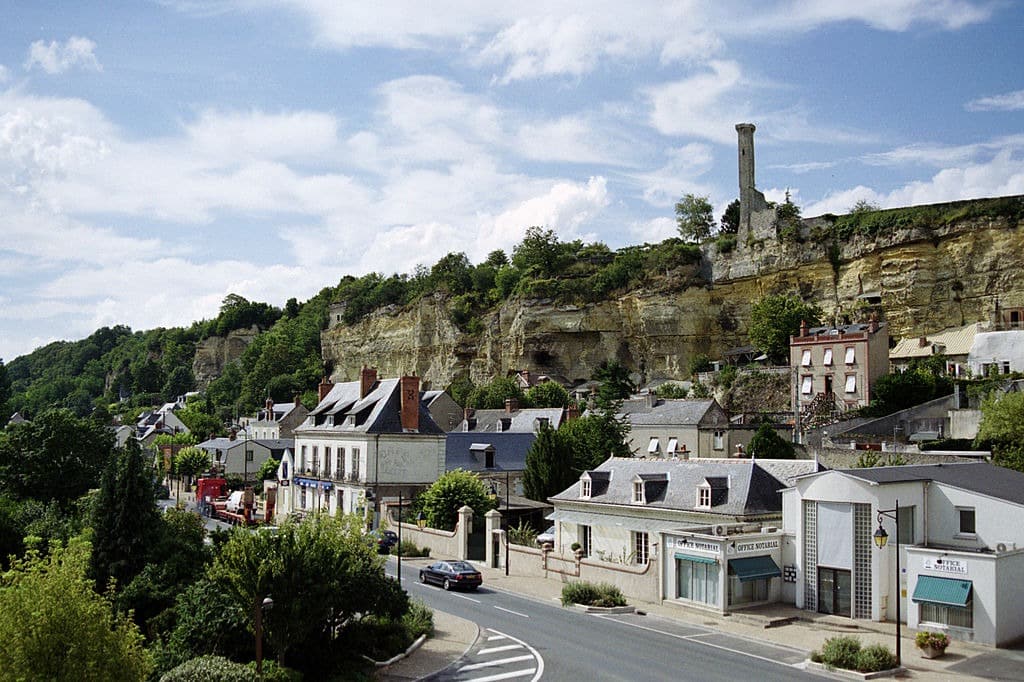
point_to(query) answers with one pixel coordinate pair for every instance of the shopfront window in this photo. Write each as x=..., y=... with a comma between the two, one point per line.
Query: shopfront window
x=944, y=614
x=697, y=580
x=748, y=592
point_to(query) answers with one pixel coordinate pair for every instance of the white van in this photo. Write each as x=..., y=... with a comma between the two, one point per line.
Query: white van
x=234, y=503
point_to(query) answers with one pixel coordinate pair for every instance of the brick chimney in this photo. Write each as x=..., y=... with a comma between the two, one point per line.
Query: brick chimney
x=410, y=388
x=803, y=327
x=367, y=378
x=572, y=412
x=270, y=404
x=324, y=388
x=511, y=405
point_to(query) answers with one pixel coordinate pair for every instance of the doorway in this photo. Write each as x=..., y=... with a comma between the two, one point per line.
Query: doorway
x=835, y=592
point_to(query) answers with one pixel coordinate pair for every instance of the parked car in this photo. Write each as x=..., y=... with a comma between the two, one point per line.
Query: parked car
x=547, y=537
x=452, y=575
x=385, y=539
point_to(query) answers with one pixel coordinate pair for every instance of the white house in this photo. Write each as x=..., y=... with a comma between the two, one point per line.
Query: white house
x=365, y=441
x=961, y=547
x=999, y=352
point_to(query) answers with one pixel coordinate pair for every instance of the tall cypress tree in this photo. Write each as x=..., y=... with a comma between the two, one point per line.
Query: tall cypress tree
x=126, y=523
x=549, y=466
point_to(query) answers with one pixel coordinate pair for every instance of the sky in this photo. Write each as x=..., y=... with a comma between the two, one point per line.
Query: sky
x=157, y=156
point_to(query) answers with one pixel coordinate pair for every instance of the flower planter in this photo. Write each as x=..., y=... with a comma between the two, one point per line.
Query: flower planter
x=933, y=651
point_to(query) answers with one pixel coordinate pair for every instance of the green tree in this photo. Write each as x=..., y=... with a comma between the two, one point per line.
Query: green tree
x=441, y=502
x=268, y=470
x=541, y=254
x=787, y=219
x=54, y=625
x=730, y=222
x=5, y=393
x=768, y=444
x=695, y=218
x=207, y=621
x=492, y=396
x=1002, y=429
x=547, y=394
x=593, y=438
x=125, y=519
x=179, y=382
x=191, y=461
x=453, y=273
x=864, y=206
x=900, y=390
x=461, y=389
x=615, y=384
x=56, y=456
x=549, y=466
x=774, y=318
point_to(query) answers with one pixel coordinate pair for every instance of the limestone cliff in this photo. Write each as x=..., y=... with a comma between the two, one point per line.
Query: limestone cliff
x=216, y=352
x=925, y=278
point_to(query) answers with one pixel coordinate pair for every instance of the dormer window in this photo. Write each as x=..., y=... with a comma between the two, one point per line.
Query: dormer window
x=585, y=487
x=350, y=421
x=540, y=423
x=704, y=497
x=638, y=492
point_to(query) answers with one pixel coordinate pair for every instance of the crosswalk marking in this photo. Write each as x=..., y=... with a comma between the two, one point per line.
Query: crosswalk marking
x=496, y=649
x=491, y=664
x=506, y=676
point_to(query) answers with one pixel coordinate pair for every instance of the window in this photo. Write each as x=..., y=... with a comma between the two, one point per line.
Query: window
x=966, y=515
x=805, y=358
x=355, y=464
x=585, y=540
x=851, y=383
x=906, y=522
x=653, y=446
x=248, y=456
x=302, y=497
x=489, y=459
x=944, y=614
x=641, y=548
x=828, y=357
x=585, y=487
x=302, y=458
x=719, y=440
x=638, y=492
x=851, y=355
x=704, y=497
x=673, y=445
x=805, y=385
x=316, y=459
x=327, y=462
x=697, y=580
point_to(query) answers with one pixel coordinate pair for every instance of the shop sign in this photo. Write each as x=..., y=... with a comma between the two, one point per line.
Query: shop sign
x=945, y=565
x=697, y=545
x=756, y=546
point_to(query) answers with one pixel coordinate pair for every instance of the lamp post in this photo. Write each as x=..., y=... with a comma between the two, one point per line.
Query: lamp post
x=881, y=538
x=506, y=522
x=399, y=552
x=261, y=606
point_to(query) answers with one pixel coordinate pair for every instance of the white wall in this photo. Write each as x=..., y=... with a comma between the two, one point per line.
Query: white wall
x=990, y=518
x=1010, y=588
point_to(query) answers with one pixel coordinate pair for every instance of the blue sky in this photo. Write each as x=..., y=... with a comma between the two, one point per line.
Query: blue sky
x=156, y=156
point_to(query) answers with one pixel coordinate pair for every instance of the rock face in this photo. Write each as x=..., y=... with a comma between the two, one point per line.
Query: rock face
x=925, y=279
x=216, y=352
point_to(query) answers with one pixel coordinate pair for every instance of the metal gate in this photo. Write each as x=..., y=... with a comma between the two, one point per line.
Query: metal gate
x=477, y=549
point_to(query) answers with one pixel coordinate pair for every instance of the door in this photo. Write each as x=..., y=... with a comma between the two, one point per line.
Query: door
x=835, y=591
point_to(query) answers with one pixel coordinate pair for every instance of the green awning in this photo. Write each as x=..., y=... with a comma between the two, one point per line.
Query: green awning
x=698, y=559
x=754, y=568
x=948, y=591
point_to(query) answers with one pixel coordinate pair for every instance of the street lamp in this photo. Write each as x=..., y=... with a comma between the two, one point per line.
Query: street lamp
x=399, y=552
x=504, y=517
x=265, y=605
x=881, y=538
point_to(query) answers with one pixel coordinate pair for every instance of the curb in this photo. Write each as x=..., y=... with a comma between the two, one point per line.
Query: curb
x=853, y=674
x=399, y=656
x=603, y=609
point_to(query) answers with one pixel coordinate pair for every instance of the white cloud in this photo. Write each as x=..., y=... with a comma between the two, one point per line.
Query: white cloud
x=256, y=134
x=943, y=155
x=54, y=58
x=1010, y=101
x=654, y=230
x=699, y=104
x=680, y=175
x=886, y=15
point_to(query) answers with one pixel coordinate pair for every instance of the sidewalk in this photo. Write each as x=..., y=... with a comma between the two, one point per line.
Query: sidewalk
x=805, y=632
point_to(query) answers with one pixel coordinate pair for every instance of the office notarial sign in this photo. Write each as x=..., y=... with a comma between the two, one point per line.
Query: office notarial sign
x=944, y=565
x=697, y=545
x=756, y=546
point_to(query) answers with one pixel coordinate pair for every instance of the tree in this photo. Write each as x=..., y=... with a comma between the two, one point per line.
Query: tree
x=774, y=318
x=191, y=461
x=1002, y=429
x=56, y=456
x=730, y=222
x=900, y=390
x=453, y=273
x=492, y=396
x=594, y=438
x=125, y=519
x=864, y=206
x=615, y=383
x=787, y=219
x=461, y=389
x=541, y=254
x=268, y=470
x=547, y=394
x=695, y=218
x=768, y=444
x=5, y=393
x=179, y=382
x=549, y=466
x=55, y=626
x=441, y=502
x=207, y=622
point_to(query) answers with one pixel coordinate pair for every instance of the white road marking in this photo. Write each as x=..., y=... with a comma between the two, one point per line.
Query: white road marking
x=516, y=613
x=506, y=676
x=496, y=662
x=496, y=637
x=462, y=596
x=539, y=670
x=496, y=649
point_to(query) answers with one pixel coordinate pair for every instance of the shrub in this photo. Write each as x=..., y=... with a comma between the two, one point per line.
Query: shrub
x=272, y=672
x=409, y=548
x=873, y=658
x=937, y=640
x=841, y=652
x=591, y=594
x=523, y=534
x=208, y=669
x=418, y=620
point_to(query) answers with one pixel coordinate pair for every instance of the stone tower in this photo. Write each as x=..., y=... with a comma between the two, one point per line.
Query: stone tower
x=751, y=200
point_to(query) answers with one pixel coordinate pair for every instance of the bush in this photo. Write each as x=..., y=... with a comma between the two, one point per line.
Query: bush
x=873, y=658
x=523, y=534
x=208, y=669
x=591, y=594
x=409, y=548
x=841, y=652
x=418, y=620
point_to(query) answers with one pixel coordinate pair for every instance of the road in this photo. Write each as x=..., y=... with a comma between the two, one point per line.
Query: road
x=566, y=644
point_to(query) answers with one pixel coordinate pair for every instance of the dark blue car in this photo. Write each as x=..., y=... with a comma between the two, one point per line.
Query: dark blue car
x=452, y=575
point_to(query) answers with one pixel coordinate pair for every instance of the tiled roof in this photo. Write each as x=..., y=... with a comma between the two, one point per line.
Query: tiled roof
x=950, y=341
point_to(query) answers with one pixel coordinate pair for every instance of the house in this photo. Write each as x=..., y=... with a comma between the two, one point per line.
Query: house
x=835, y=368
x=512, y=419
x=364, y=441
x=702, y=513
x=278, y=420
x=676, y=428
x=160, y=421
x=954, y=344
x=243, y=456
x=443, y=409
x=961, y=558
x=998, y=352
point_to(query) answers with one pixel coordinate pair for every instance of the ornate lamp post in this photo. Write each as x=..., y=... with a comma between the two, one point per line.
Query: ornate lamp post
x=265, y=605
x=881, y=538
x=399, y=551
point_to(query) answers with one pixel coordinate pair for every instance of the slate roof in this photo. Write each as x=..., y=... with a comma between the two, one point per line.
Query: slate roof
x=751, y=489
x=665, y=412
x=509, y=450
x=378, y=412
x=979, y=477
x=521, y=421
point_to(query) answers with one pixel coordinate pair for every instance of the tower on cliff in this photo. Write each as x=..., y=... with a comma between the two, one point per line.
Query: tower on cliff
x=751, y=200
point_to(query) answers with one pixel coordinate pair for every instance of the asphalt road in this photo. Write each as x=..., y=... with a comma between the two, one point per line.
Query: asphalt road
x=572, y=645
